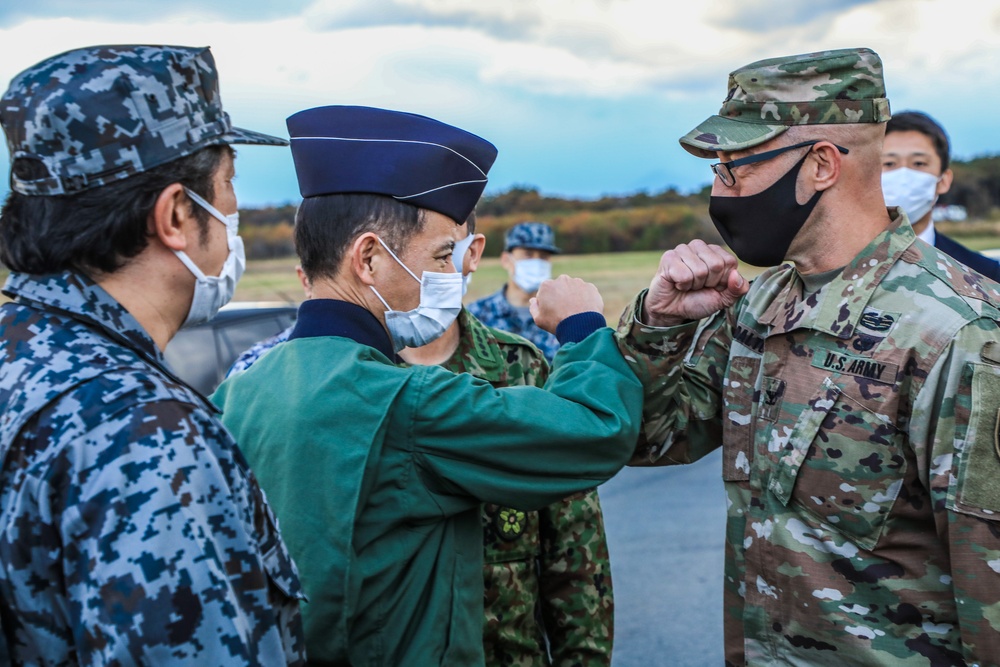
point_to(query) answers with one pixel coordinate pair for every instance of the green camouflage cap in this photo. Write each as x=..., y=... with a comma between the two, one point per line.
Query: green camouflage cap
x=103, y=113
x=767, y=97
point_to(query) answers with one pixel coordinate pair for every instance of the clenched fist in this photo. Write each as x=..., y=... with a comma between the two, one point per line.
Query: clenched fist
x=560, y=298
x=693, y=281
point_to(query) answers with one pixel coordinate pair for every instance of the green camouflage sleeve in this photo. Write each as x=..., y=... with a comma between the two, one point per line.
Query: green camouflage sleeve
x=955, y=417
x=681, y=370
x=577, y=600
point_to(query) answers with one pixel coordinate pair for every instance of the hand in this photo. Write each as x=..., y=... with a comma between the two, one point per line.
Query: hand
x=560, y=298
x=693, y=281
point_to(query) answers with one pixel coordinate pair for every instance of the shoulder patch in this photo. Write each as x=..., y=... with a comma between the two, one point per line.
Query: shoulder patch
x=978, y=475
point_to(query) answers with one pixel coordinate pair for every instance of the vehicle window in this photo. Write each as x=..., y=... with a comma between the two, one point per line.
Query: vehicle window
x=202, y=355
x=193, y=357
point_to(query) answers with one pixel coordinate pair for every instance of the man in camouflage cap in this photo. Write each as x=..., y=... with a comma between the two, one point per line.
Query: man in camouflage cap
x=527, y=258
x=854, y=394
x=131, y=529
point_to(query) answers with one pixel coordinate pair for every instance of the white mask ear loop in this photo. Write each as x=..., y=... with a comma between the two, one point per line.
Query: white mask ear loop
x=380, y=298
x=398, y=261
x=216, y=213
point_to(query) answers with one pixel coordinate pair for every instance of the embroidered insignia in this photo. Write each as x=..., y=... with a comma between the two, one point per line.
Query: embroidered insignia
x=749, y=338
x=509, y=523
x=772, y=391
x=865, y=343
x=849, y=364
x=876, y=321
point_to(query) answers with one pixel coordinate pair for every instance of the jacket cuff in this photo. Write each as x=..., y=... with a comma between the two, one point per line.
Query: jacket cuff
x=577, y=327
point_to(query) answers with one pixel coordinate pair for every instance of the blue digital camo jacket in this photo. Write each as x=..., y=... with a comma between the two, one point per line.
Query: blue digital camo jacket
x=131, y=528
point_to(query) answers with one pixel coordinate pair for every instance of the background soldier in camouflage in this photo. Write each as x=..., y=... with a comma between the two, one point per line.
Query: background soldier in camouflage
x=547, y=574
x=527, y=258
x=131, y=529
x=855, y=395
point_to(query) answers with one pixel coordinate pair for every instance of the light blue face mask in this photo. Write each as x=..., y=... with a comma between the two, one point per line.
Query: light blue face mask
x=529, y=274
x=440, y=303
x=458, y=259
x=213, y=292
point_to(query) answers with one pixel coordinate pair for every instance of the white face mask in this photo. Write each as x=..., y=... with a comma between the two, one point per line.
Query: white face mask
x=529, y=274
x=458, y=258
x=213, y=292
x=913, y=191
x=440, y=303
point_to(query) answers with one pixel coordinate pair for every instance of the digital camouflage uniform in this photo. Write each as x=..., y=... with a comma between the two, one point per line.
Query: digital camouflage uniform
x=131, y=529
x=497, y=312
x=547, y=573
x=858, y=428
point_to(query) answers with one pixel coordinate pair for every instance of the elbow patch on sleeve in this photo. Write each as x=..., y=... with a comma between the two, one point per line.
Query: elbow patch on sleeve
x=978, y=470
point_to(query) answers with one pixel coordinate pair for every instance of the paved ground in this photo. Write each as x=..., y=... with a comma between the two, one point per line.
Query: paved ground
x=665, y=531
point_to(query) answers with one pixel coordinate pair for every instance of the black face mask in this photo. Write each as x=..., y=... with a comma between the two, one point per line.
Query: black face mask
x=759, y=228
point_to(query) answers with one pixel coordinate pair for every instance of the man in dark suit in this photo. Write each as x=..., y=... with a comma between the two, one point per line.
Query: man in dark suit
x=915, y=158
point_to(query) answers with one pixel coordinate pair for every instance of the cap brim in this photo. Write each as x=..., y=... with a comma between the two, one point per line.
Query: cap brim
x=718, y=133
x=534, y=246
x=238, y=135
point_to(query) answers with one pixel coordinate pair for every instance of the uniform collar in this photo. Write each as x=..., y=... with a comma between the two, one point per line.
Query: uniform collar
x=81, y=298
x=332, y=317
x=839, y=305
x=478, y=350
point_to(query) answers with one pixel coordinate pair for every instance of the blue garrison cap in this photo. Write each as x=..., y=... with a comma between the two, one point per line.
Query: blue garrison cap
x=533, y=235
x=415, y=159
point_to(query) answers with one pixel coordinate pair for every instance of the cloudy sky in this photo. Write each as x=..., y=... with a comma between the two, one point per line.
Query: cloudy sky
x=582, y=97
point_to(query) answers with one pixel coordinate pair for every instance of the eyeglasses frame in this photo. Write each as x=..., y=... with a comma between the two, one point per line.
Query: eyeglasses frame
x=725, y=169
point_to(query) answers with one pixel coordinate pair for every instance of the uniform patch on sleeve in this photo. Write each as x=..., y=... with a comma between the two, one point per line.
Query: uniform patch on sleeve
x=979, y=474
x=851, y=364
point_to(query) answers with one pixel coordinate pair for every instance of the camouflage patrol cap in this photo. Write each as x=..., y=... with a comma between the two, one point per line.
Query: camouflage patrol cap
x=95, y=115
x=533, y=235
x=767, y=97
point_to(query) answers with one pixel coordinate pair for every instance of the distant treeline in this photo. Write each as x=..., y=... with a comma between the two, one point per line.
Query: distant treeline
x=640, y=221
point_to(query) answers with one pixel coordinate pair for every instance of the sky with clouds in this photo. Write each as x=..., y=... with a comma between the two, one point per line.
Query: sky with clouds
x=582, y=97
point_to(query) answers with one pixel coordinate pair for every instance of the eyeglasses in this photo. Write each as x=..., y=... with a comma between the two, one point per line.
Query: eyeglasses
x=724, y=170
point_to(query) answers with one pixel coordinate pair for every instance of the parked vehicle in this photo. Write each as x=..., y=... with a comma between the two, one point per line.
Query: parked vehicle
x=201, y=355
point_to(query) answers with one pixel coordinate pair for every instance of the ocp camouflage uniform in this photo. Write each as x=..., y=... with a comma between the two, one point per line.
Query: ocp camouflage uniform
x=131, y=529
x=547, y=573
x=859, y=432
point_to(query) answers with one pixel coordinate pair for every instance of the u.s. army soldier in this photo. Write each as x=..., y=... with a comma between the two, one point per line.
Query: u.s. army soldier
x=854, y=394
x=131, y=529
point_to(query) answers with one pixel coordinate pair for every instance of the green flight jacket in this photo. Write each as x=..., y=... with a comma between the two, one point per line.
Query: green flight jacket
x=377, y=472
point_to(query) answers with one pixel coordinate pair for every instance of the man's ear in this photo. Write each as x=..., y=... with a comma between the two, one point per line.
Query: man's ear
x=475, y=251
x=826, y=165
x=172, y=218
x=507, y=261
x=304, y=281
x=945, y=183
x=365, y=257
